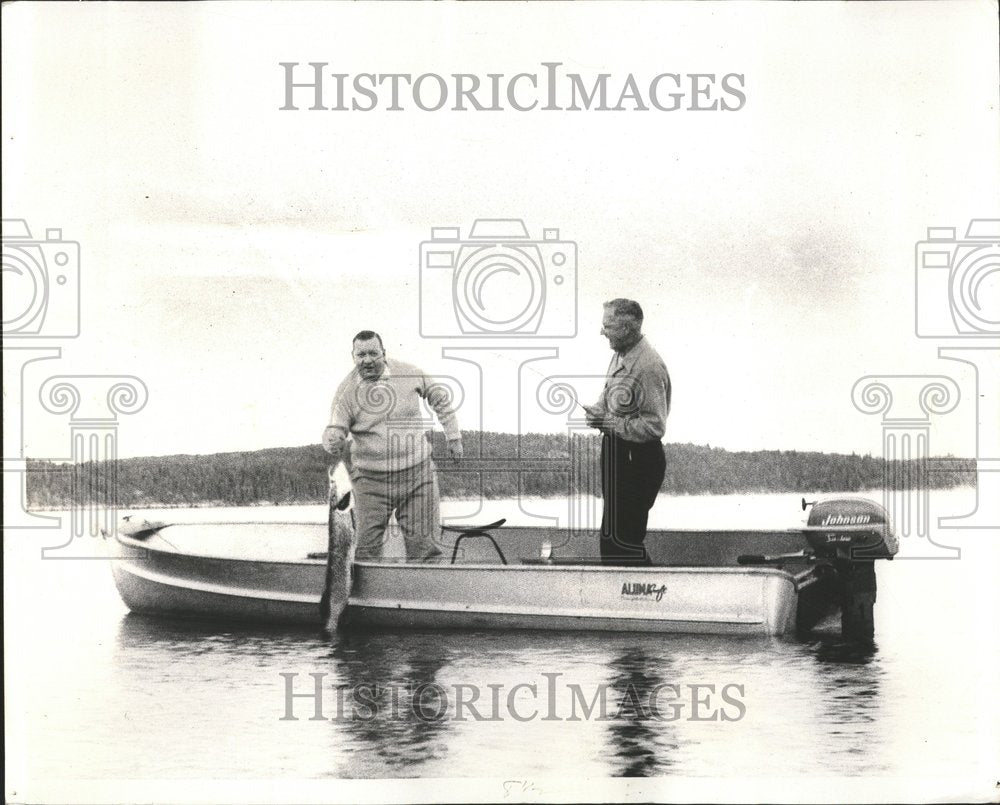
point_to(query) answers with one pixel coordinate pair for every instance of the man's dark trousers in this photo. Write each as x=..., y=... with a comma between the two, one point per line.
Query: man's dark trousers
x=631, y=475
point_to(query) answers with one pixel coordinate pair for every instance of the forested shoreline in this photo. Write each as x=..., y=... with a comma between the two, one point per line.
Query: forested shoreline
x=496, y=465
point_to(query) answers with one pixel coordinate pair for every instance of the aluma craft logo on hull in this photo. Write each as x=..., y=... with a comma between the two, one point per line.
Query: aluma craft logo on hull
x=643, y=590
x=847, y=519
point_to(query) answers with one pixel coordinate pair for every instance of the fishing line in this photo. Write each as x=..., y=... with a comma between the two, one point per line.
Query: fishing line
x=562, y=388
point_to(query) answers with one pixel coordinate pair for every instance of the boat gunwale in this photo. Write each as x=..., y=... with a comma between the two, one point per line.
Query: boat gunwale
x=753, y=570
x=510, y=527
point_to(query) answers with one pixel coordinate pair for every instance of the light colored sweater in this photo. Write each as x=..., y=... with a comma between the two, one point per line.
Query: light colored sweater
x=386, y=420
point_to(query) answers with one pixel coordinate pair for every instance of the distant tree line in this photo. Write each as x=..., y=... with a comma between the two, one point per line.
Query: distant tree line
x=496, y=465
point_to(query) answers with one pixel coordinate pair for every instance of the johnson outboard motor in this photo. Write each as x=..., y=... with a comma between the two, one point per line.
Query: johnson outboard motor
x=850, y=528
x=851, y=533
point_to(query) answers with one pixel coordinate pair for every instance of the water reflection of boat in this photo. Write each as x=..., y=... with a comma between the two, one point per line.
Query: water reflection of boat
x=713, y=582
x=641, y=739
x=391, y=702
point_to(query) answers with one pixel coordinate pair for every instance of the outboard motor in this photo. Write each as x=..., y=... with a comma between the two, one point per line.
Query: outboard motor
x=851, y=533
x=850, y=528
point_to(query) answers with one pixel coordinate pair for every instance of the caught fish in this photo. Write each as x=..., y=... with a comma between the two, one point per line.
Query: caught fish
x=341, y=544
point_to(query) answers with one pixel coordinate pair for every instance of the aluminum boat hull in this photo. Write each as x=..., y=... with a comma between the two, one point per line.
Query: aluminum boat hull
x=706, y=593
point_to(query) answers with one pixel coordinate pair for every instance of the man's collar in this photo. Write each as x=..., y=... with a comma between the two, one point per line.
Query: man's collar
x=628, y=359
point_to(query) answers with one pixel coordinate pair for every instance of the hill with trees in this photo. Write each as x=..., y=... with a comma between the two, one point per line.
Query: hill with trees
x=496, y=465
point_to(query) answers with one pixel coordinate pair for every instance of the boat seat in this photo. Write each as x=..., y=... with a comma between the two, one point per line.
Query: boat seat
x=470, y=529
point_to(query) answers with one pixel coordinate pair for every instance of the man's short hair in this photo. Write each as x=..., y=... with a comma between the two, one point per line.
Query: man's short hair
x=367, y=335
x=625, y=308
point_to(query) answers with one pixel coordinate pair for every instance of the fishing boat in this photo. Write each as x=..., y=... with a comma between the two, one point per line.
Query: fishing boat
x=494, y=576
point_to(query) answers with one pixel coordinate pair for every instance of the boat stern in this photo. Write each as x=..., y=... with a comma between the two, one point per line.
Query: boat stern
x=850, y=534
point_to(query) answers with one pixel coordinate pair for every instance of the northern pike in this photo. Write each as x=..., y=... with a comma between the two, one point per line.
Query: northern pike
x=341, y=544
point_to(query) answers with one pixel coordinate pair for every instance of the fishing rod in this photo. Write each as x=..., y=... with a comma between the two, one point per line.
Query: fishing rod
x=562, y=388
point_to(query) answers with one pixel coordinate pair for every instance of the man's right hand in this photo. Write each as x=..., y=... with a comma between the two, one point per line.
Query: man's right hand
x=594, y=417
x=333, y=441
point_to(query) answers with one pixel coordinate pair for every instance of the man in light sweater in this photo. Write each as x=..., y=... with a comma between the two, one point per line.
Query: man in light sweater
x=378, y=403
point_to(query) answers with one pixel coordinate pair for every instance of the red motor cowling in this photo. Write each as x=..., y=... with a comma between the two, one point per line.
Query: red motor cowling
x=850, y=528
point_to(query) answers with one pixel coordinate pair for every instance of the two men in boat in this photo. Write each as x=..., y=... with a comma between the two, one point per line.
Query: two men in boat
x=632, y=414
x=378, y=403
x=392, y=470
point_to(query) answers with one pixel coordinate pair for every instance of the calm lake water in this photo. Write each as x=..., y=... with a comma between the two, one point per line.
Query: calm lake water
x=103, y=705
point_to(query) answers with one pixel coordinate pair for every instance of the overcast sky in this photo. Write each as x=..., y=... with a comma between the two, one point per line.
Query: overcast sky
x=229, y=250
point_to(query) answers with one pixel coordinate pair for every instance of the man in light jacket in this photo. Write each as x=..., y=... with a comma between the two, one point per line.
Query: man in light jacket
x=378, y=404
x=632, y=414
